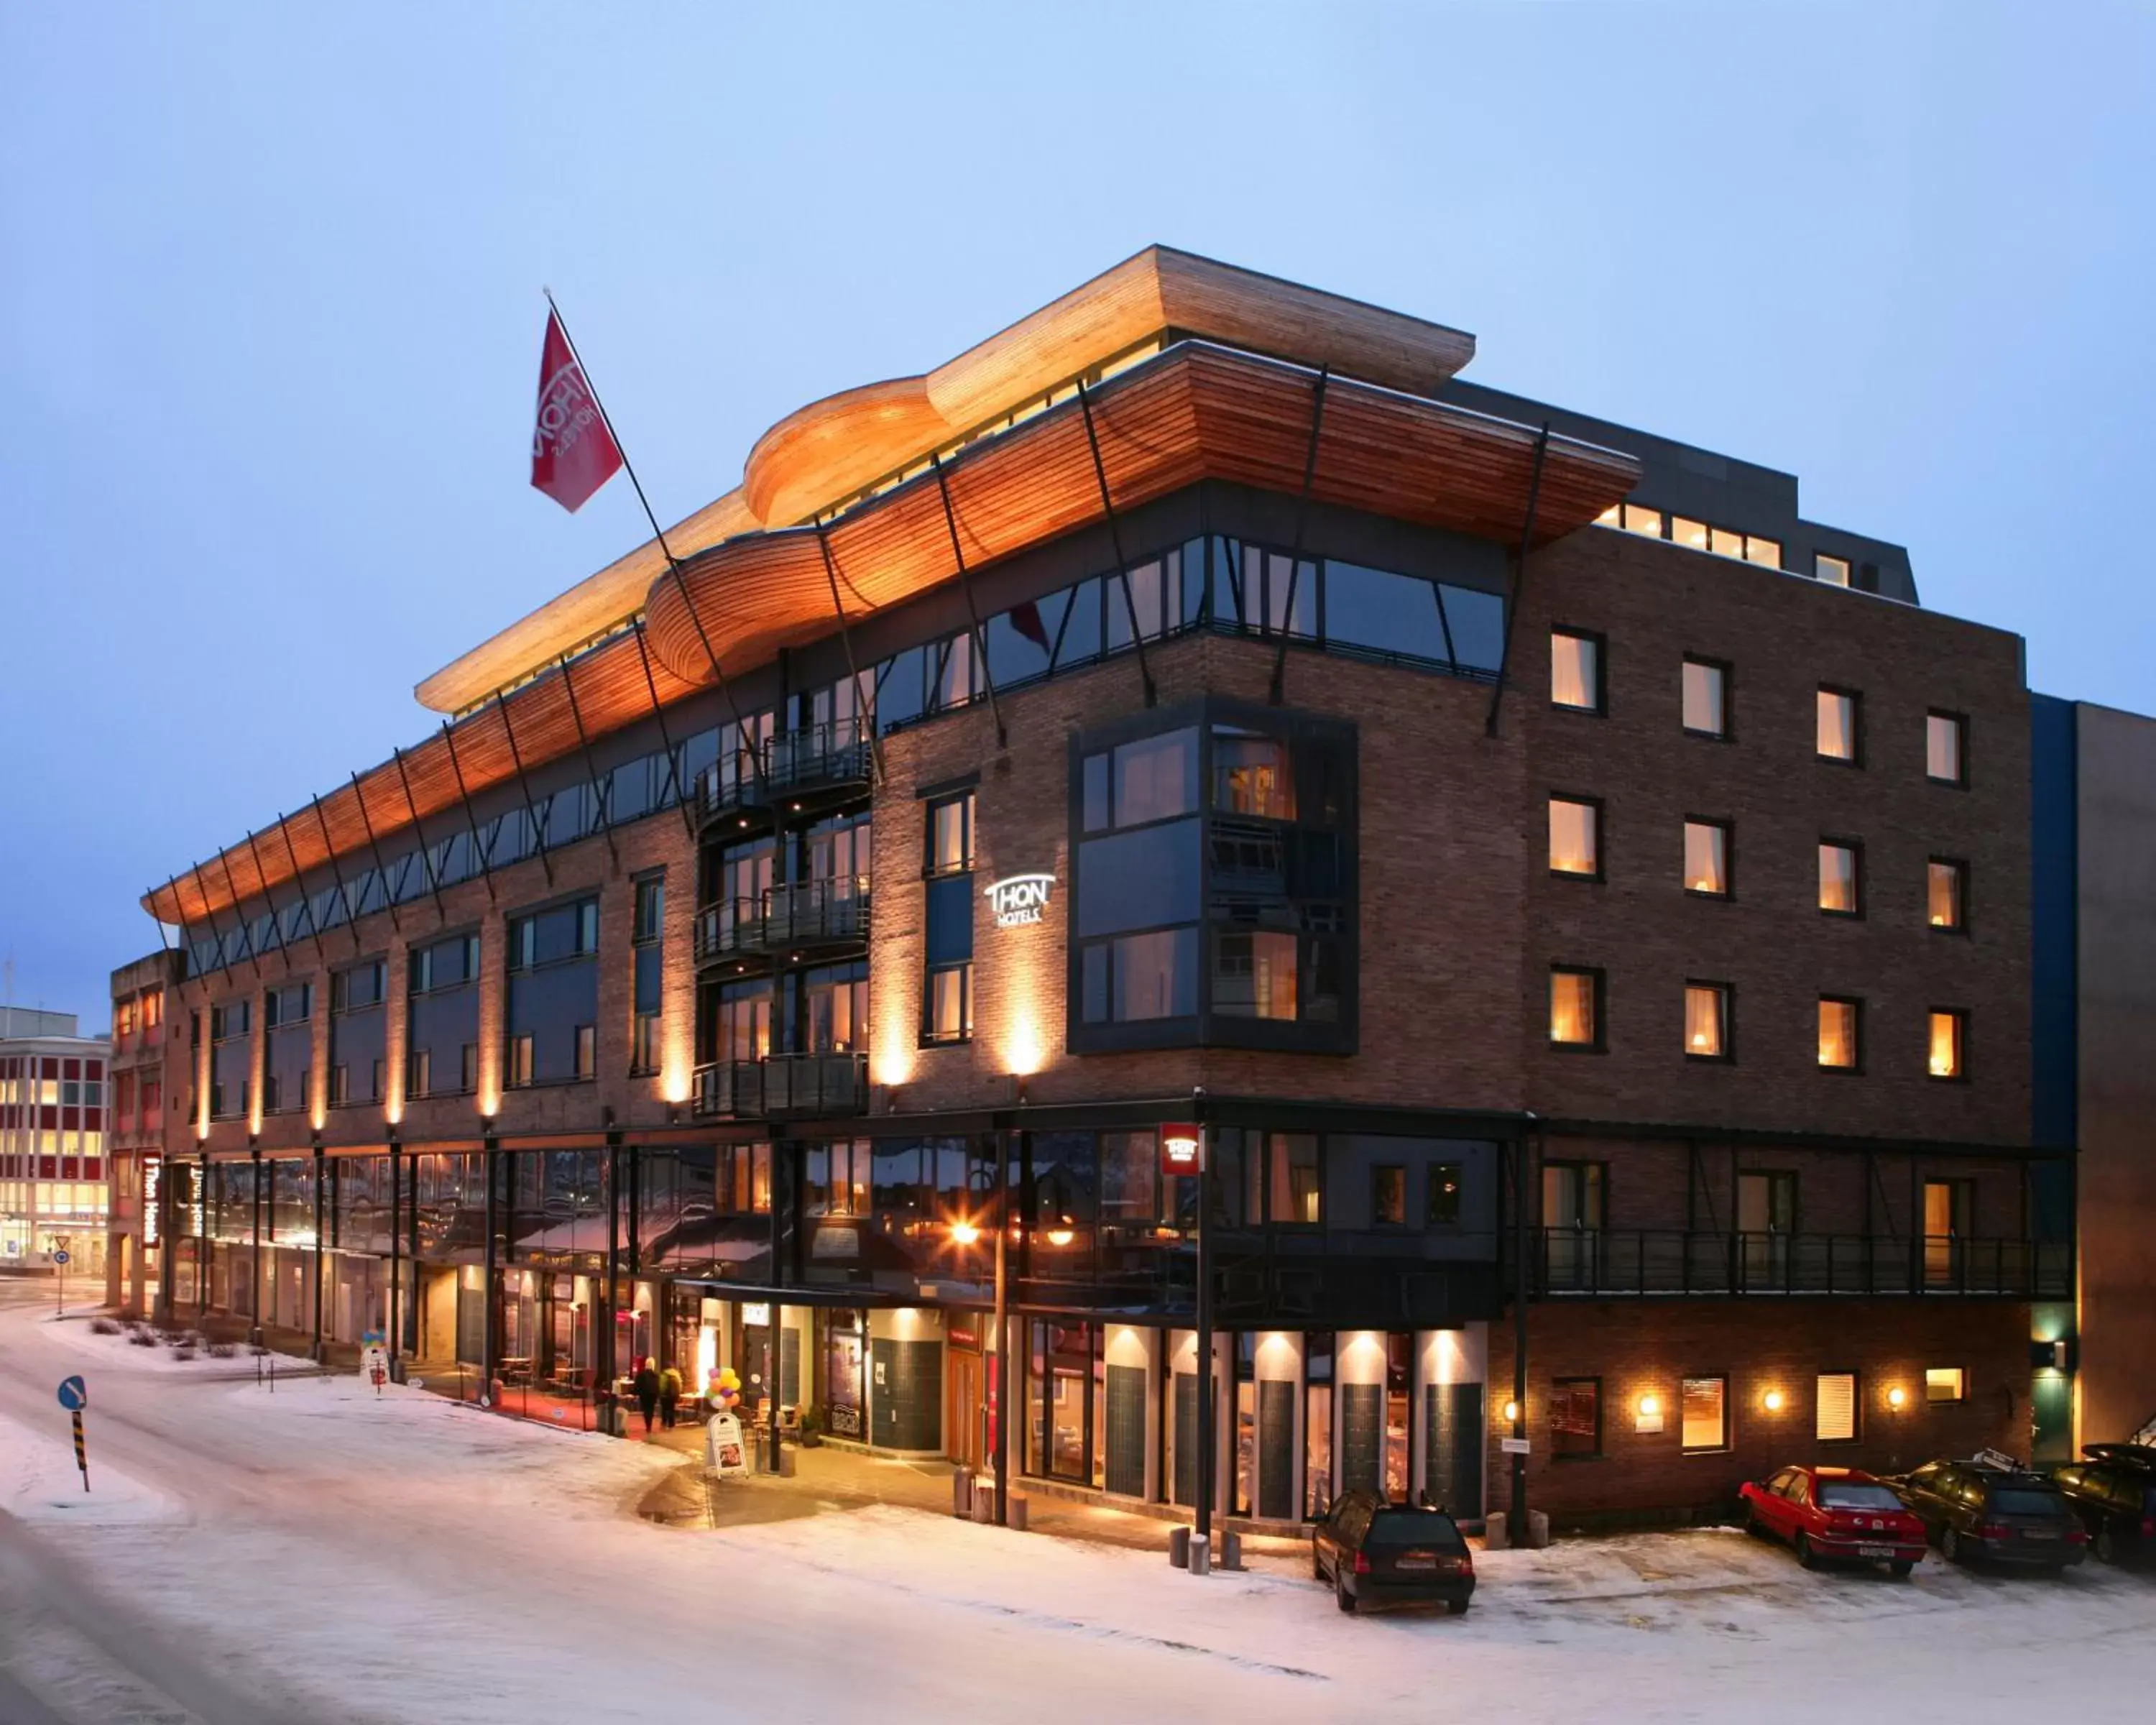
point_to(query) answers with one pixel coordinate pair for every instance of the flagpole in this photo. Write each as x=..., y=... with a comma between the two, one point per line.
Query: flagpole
x=607, y=418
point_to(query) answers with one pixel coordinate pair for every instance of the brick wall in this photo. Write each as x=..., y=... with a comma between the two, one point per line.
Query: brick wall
x=1647, y=1347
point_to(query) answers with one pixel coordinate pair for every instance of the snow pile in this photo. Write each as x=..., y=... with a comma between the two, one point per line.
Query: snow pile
x=41, y=1484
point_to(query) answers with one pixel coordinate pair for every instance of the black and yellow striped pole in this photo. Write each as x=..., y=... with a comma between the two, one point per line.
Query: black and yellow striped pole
x=81, y=1461
x=75, y=1396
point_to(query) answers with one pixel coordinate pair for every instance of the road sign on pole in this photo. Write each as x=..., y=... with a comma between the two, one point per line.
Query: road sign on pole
x=74, y=1394
x=81, y=1460
x=59, y=1280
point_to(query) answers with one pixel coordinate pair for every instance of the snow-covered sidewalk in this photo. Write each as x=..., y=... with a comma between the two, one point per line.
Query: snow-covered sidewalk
x=401, y=1557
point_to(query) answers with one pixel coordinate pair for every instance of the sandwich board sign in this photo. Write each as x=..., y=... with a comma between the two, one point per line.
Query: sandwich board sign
x=374, y=1365
x=725, y=1453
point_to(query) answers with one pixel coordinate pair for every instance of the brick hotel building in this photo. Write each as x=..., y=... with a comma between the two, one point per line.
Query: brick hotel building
x=1540, y=858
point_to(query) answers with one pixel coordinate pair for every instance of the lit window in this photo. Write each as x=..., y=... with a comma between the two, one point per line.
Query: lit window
x=587, y=1046
x=1707, y=1021
x=1575, y=671
x=1388, y=1196
x=1765, y=552
x=1610, y=518
x=1705, y=698
x=1947, y=894
x=1705, y=1406
x=1707, y=858
x=1727, y=544
x=520, y=1061
x=1441, y=1198
x=1944, y=1384
x=1949, y=1029
x=1574, y=837
x=1835, y=1401
x=1837, y=1033
x=1838, y=886
x=1573, y=1007
x=1576, y=1416
x=1830, y=569
x=1944, y=755
x=1648, y=522
x=1837, y=726
x=1688, y=533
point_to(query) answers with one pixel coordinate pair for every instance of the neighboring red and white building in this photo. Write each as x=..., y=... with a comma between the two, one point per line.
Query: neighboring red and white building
x=52, y=1168
x=135, y=1125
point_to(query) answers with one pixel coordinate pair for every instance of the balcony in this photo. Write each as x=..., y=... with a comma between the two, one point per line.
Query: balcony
x=820, y=1086
x=811, y=770
x=826, y=918
x=1599, y=1261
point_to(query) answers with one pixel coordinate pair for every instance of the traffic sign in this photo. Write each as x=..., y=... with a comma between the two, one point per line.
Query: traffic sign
x=60, y=1256
x=75, y=1393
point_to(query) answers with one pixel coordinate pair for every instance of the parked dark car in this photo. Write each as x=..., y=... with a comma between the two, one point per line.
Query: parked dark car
x=1379, y=1554
x=1985, y=1510
x=1835, y=1515
x=2113, y=1492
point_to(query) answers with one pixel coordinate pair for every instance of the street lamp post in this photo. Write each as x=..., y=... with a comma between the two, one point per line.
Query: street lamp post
x=1004, y=1355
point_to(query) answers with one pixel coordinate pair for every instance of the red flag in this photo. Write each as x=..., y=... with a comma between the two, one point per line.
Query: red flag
x=572, y=452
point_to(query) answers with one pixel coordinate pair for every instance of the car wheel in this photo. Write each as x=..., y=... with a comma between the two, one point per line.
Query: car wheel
x=1340, y=1592
x=1458, y=1608
x=1317, y=1565
x=1753, y=1524
x=1900, y=1569
x=1950, y=1545
x=2107, y=1545
x=1805, y=1555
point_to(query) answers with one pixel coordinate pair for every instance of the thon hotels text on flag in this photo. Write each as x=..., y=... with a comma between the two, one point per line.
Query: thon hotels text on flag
x=573, y=452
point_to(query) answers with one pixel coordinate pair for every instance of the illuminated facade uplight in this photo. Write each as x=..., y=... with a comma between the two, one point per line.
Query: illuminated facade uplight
x=965, y=1234
x=1896, y=1396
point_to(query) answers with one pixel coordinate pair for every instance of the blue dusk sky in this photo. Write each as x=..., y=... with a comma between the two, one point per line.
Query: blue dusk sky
x=270, y=312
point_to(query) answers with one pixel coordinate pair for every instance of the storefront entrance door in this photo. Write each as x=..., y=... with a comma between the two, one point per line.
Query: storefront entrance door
x=966, y=1412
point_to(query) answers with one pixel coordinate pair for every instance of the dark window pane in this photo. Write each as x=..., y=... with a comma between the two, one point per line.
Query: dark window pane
x=1378, y=609
x=1081, y=627
x=1477, y=626
x=1156, y=777
x=950, y=919
x=1139, y=879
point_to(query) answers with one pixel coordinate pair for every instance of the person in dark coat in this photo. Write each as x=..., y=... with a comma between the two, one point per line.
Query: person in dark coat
x=646, y=1386
x=669, y=1396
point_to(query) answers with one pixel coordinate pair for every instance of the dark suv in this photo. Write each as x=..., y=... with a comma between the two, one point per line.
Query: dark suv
x=2113, y=1490
x=1992, y=1509
x=1379, y=1554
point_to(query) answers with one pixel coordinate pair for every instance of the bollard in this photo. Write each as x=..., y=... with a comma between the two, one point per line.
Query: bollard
x=984, y=1506
x=1178, y=1546
x=1496, y=1532
x=1537, y=1529
x=1016, y=1506
x=1231, y=1549
x=962, y=1492
x=1201, y=1554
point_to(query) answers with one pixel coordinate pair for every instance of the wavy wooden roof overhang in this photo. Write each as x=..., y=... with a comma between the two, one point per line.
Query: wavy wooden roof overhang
x=1195, y=411
x=818, y=455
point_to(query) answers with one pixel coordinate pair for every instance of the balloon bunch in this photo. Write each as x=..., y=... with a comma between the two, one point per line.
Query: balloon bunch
x=725, y=1387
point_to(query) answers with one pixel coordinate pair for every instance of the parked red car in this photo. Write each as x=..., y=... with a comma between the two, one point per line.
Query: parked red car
x=1835, y=1514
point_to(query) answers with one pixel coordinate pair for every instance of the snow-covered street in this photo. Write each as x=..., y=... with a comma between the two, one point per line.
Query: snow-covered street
x=341, y=1557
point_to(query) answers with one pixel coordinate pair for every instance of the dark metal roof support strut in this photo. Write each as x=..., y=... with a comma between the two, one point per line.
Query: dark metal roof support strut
x=973, y=610
x=292, y=856
x=426, y=854
x=1116, y=544
x=846, y=640
x=530, y=810
x=337, y=874
x=471, y=820
x=381, y=872
x=1518, y=580
x=665, y=738
x=231, y=886
x=1279, y=690
x=591, y=766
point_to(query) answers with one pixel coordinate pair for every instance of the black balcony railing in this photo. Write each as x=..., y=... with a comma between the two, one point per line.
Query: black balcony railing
x=820, y=1085
x=819, y=916
x=835, y=757
x=1590, y=1260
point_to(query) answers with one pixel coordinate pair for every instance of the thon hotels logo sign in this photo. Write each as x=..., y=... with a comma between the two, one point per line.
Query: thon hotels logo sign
x=1019, y=899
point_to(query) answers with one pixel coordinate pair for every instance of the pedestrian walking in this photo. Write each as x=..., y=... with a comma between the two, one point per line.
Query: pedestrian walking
x=670, y=1395
x=646, y=1386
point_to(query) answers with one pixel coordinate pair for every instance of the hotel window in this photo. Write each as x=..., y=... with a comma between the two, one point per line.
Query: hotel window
x=588, y=1051
x=1388, y=1195
x=1946, y=748
x=1575, y=834
x=1576, y=670
x=1441, y=1198
x=1839, y=713
x=1946, y=892
x=948, y=1008
x=1251, y=776
x=442, y=1009
x=1293, y=1183
x=647, y=977
x=1834, y=1400
x=1830, y=569
x=1705, y=698
x=1705, y=1402
x=1945, y=1383
x=520, y=1062
x=1576, y=1416
x=1840, y=886
x=1839, y=1024
x=1707, y=1021
x=357, y=1033
x=1949, y=1043
x=1707, y=858
x=419, y=1075
x=1575, y=1008
x=1648, y=522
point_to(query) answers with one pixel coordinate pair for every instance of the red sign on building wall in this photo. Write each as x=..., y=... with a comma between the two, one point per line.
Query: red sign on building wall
x=1182, y=1149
